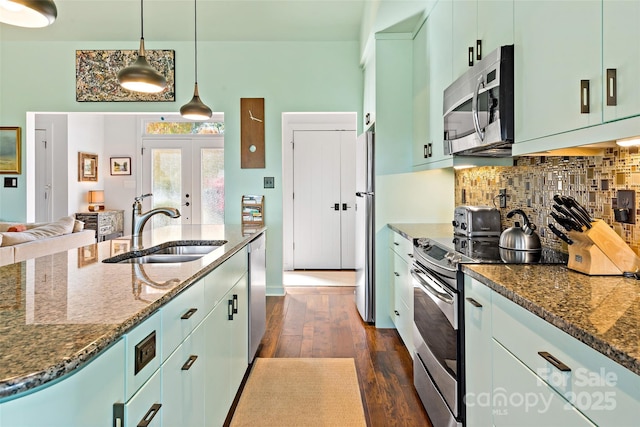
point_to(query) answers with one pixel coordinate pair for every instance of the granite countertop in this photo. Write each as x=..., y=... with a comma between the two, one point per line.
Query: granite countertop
x=416, y=230
x=600, y=311
x=60, y=310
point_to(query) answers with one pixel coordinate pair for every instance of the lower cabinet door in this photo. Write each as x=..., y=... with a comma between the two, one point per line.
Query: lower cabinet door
x=183, y=383
x=86, y=398
x=217, y=375
x=239, y=334
x=521, y=398
x=145, y=407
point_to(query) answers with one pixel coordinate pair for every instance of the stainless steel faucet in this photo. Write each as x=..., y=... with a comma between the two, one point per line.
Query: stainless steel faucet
x=139, y=219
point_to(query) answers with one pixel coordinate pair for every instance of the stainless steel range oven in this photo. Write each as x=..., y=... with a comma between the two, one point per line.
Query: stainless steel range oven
x=437, y=332
x=438, y=294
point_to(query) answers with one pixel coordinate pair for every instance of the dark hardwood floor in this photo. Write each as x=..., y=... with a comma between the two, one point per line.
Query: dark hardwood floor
x=324, y=322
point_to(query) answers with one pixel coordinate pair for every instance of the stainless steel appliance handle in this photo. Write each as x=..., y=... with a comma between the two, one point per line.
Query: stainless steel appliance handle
x=474, y=108
x=430, y=286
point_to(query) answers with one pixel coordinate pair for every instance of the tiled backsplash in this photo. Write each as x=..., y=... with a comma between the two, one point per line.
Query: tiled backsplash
x=532, y=183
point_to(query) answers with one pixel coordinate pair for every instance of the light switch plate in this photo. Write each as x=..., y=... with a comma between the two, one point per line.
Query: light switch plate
x=626, y=200
x=269, y=182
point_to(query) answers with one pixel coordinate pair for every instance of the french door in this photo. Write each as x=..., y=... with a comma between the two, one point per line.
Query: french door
x=324, y=199
x=186, y=174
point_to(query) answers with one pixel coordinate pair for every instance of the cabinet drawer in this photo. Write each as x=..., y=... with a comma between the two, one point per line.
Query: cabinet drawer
x=520, y=399
x=219, y=281
x=606, y=392
x=402, y=280
x=145, y=405
x=146, y=339
x=181, y=316
x=402, y=246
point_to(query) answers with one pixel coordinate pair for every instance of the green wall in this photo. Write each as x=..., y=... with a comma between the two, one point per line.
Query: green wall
x=291, y=76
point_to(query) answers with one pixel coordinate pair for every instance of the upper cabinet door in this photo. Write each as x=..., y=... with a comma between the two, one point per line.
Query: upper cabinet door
x=557, y=45
x=621, y=52
x=495, y=24
x=465, y=34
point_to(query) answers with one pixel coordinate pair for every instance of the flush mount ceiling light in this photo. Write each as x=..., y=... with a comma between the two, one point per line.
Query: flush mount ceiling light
x=140, y=76
x=629, y=142
x=195, y=109
x=28, y=13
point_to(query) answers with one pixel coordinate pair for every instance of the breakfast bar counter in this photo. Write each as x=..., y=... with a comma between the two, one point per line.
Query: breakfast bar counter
x=603, y=312
x=59, y=311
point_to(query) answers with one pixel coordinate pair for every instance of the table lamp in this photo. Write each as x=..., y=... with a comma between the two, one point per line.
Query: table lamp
x=96, y=200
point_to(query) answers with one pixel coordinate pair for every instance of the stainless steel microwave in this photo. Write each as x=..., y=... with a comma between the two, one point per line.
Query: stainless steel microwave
x=478, y=108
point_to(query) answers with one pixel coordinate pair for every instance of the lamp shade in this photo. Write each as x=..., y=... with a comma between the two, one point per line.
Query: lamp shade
x=140, y=76
x=96, y=196
x=28, y=13
x=195, y=109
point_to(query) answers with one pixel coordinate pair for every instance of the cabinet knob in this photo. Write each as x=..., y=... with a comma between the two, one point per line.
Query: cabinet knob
x=584, y=96
x=612, y=90
x=396, y=312
x=396, y=274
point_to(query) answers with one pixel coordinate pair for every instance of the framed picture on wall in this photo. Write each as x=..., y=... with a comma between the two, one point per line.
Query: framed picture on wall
x=10, y=150
x=120, y=165
x=87, y=167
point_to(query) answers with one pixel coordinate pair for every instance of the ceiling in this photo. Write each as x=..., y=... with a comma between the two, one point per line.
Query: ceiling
x=218, y=20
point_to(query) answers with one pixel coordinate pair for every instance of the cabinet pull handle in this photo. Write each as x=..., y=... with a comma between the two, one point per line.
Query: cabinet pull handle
x=336, y=207
x=410, y=255
x=584, y=96
x=230, y=309
x=474, y=302
x=555, y=362
x=612, y=89
x=187, y=365
x=396, y=243
x=470, y=56
x=396, y=274
x=396, y=312
x=189, y=313
x=478, y=50
x=235, y=304
x=149, y=415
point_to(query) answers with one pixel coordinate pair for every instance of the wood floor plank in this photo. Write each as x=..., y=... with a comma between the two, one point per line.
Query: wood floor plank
x=324, y=322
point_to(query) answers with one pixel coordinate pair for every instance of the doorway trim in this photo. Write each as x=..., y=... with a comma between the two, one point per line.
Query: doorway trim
x=292, y=122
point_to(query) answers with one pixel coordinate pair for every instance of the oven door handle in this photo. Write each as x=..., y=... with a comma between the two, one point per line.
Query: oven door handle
x=432, y=288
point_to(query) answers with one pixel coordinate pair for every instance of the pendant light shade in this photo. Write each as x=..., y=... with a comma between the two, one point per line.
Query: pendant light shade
x=195, y=109
x=28, y=13
x=140, y=76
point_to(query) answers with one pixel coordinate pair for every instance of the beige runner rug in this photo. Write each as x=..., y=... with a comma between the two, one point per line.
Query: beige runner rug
x=300, y=392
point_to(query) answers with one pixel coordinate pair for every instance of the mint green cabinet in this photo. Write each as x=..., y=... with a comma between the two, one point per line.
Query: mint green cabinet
x=521, y=399
x=477, y=327
x=621, y=52
x=401, y=260
x=226, y=352
x=85, y=398
x=465, y=33
x=145, y=406
x=557, y=45
x=183, y=383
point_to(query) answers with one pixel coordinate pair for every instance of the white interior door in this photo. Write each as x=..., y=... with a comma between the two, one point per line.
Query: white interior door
x=43, y=177
x=348, y=198
x=186, y=174
x=323, y=202
x=316, y=200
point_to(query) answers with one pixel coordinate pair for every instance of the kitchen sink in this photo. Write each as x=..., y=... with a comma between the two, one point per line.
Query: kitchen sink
x=169, y=252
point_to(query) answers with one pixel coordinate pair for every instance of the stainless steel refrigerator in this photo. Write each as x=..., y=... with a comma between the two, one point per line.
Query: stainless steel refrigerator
x=365, y=227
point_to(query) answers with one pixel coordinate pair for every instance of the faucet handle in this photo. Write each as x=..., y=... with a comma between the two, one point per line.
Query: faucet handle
x=139, y=198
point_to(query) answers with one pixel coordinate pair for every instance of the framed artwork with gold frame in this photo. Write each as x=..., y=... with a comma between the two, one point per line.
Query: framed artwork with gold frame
x=10, y=141
x=87, y=167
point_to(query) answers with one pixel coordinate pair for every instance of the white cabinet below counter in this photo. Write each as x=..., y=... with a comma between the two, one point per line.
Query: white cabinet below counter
x=401, y=260
x=539, y=374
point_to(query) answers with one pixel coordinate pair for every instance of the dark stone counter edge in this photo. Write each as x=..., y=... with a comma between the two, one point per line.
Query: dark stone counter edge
x=402, y=233
x=603, y=347
x=12, y=387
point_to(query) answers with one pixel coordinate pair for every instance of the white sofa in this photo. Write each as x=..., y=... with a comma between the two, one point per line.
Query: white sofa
x=40, y=239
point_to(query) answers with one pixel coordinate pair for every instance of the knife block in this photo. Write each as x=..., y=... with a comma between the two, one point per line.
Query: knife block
x=601, y=251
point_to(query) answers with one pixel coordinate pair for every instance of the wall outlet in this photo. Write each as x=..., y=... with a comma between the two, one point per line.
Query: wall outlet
x=502, y=194
x=624, y=206
x=269, y=182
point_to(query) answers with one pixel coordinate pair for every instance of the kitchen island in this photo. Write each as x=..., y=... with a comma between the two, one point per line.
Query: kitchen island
x=61, y=311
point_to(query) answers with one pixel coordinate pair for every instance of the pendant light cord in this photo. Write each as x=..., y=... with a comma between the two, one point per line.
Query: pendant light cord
x=195, y=36
x=142, y=19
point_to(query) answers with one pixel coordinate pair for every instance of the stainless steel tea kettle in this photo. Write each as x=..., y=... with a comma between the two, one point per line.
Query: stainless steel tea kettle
x=520, y=244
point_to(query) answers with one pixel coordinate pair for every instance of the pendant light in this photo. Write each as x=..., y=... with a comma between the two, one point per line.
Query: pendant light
x=140, y=76
x=195, y=109
x=28, y=13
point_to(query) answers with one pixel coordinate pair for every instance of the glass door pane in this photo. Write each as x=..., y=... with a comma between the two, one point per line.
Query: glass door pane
x=212, y=186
